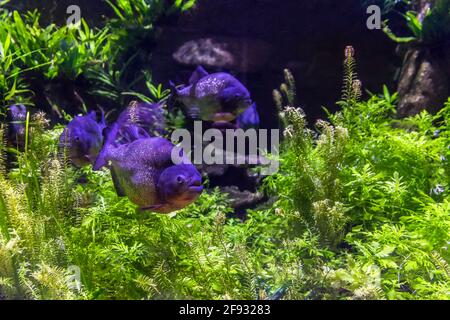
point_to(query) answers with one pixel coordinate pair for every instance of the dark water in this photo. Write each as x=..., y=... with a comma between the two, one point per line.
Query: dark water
x=308, y=37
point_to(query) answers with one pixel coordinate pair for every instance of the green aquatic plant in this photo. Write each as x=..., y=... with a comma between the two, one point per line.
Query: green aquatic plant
x=65, y=51
x=11, y=82
x=285, y=97
x=312, y=190
x=153, y=94
x=383, y=175
x=32, y=219
x=112, y=83
x=134, y=22
x=143, y=13
x=351, y=91
x=50, y=223
x=32, y=54
x=393, y=178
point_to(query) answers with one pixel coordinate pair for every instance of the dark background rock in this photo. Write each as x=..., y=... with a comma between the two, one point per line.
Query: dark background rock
x=424, y=83
x=245, y=55
x=242, y=200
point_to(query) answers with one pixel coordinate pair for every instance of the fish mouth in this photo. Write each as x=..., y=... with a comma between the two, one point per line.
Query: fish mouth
x=223, y=117
x=196, y=186
x=196, y=189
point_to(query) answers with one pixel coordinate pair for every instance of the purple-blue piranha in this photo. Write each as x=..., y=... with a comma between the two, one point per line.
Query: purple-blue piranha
x=17, y=115
x=213, y=97
x=83, y=139
x=142, y=169
x=146, y=116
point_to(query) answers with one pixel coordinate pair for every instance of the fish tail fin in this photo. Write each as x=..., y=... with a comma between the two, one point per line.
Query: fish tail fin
x=102, y=121
x=132, y=133
x=173, y=96
x=173, y=88
x=159, y=118
x=109, y=136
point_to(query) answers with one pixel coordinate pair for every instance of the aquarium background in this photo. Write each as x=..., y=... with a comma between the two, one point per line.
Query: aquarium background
x=359, y=208
x=263, y=37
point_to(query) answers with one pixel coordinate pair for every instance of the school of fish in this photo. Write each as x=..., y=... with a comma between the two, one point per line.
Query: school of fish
x=133, y=149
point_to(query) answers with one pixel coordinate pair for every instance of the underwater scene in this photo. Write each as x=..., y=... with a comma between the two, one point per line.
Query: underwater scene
x=225, y=150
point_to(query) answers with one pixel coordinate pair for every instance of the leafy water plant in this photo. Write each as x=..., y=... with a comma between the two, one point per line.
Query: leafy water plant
x=55, y=51
x=11, y=81
x=110, y=82
x=135, y=20
x=143, y=13
x=312, y=191
x=92, y=63
x=363, y=190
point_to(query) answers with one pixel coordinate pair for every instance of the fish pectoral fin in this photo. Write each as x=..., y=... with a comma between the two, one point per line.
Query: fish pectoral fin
x=120, y=192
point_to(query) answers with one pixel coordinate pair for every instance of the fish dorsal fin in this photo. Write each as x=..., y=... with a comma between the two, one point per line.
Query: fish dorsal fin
x=92, y=115
x=199, y=73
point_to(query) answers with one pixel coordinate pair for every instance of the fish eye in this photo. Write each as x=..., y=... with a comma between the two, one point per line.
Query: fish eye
x=77, y=139
x=180, y=179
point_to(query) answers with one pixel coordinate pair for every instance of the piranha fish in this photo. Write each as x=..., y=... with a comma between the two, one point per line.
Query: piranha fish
x=16, y=116
x=213, y=97
x=83, y=139
x=148, y=116
x=142, y=169
x=249, y=118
